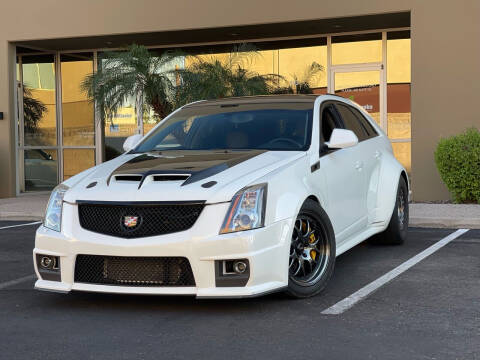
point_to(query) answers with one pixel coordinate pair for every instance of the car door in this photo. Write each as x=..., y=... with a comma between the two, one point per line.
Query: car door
x=344, y=179
x=370, y=149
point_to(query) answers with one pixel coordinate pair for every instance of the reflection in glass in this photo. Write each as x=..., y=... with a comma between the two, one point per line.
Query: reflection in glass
x=361, y=87
x=295, y=66
x=77, y=160
x=77, y=110
x=403, y=153
x=40, y=169
x=398, y=89
x=120, y=126
x=352, y=49
x=398, y=94
x=39, y=100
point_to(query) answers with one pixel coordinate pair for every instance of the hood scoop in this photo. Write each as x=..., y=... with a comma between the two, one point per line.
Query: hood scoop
x=171, y=177
x=130, y=178
x=149, y=178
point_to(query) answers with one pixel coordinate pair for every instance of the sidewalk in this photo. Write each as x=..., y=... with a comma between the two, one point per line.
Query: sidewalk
x=455, y=216
x=32, y=207
x=27, y=207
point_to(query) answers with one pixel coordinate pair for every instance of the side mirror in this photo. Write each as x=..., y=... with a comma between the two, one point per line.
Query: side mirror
x=342, y=138
x=131, y=142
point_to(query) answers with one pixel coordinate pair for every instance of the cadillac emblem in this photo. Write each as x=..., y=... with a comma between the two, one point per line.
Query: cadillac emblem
x=130, y=221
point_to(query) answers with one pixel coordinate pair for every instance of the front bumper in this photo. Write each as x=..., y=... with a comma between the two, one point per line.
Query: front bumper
x=266, y=250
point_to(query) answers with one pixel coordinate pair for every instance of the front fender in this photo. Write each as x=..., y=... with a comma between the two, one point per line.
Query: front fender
x=287, y=191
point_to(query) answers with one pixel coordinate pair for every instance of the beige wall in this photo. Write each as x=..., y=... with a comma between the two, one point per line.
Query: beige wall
x=445, y=83
x=445, y=54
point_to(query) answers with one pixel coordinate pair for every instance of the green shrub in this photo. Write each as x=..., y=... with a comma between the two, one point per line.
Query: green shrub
x=458, y=162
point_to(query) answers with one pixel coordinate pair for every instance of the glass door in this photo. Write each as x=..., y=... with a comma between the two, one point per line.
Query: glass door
x=362, y=85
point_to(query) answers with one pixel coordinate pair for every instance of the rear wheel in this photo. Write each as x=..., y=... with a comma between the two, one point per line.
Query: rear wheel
x=396, y=232
x=312, y=252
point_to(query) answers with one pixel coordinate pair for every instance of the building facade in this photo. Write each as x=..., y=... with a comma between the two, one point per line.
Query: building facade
x=415, y=75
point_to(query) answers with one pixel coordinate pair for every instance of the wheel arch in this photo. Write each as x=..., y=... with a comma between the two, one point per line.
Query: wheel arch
x=390, y=175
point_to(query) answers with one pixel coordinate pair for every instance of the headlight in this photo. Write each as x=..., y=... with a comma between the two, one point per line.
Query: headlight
x=247, y=210
x=53, y=216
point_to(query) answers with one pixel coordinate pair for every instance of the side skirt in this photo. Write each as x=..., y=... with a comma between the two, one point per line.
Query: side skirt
x=355, y=240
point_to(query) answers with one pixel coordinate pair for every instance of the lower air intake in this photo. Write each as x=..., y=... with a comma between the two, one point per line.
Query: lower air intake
x=133, y=271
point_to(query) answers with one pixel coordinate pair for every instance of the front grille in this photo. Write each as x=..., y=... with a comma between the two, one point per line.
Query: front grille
x=133, y=271
x=138, y=220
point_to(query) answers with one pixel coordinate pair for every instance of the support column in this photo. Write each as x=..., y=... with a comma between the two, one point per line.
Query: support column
x=7, y=125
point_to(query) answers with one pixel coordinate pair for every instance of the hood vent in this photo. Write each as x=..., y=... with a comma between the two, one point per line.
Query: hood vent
x=171, y=177
x=135, y=178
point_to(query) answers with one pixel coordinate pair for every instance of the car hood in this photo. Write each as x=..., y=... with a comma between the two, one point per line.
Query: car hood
x=210, y=176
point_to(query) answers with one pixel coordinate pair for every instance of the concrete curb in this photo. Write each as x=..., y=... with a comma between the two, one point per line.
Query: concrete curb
x=23, y=208
x=444, y=223
x=20, y=217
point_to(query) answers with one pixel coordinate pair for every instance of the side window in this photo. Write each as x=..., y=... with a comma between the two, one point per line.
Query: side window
x=328, y=122
x=365, y=123
x=351, y=122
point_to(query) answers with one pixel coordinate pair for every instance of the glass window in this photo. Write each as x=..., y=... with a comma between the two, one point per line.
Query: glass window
x=77, y=160
x=403, y=153
x=328, y=121
x=39, y=100
x=40, y=167
x=398, y=88
x=304, y=66
x=351, y=49
x=77, y=110
x=351, y=122
x=274, y=126
x=120, y=126
x=398, y=94
x=365, y=123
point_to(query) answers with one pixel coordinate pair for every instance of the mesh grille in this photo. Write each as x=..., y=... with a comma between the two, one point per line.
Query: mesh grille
x=133, y=271
x=133, y=221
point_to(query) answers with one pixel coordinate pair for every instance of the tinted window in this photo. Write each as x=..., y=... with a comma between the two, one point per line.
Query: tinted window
x=249, y=126
x=328, y=123
x=351, y=122
x=366, y=124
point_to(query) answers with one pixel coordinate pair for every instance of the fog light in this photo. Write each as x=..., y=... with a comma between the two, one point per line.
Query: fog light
x=235, y=272
x=48, y=267
x=239, y=267
x=46, y=262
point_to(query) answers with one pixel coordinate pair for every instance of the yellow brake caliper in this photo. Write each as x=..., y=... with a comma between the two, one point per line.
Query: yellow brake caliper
x=313, y=253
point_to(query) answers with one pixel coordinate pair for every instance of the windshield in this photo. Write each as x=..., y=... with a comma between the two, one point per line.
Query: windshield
x=277, y=126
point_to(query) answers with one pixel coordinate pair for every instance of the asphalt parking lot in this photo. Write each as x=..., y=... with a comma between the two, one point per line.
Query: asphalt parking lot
x=430, y=311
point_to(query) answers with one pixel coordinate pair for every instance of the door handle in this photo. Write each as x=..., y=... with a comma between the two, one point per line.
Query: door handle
x=378, y=154
x=359, y=165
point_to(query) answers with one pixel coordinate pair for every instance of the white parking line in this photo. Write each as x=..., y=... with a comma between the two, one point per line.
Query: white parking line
x=12, y=226
x=16, y=281
x=361, y=294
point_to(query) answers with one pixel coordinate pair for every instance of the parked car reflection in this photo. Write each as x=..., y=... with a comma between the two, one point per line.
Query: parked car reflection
x=40, y=170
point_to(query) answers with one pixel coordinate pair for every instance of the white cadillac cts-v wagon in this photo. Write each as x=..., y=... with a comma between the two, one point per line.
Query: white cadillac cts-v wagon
x=227, y=198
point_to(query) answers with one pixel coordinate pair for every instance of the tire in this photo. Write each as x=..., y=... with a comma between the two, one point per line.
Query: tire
x=396, y=231
x=317, y=253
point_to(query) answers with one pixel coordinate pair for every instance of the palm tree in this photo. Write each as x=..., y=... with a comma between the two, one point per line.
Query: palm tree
x=132, y=73
x=214, y=78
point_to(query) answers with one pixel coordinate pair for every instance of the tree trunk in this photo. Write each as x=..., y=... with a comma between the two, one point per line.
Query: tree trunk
x=139, y=110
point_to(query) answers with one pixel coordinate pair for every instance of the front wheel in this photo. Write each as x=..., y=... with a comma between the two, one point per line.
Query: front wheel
x=312, y=252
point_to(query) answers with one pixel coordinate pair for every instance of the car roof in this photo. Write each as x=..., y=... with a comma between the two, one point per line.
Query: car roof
x=260, y=99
